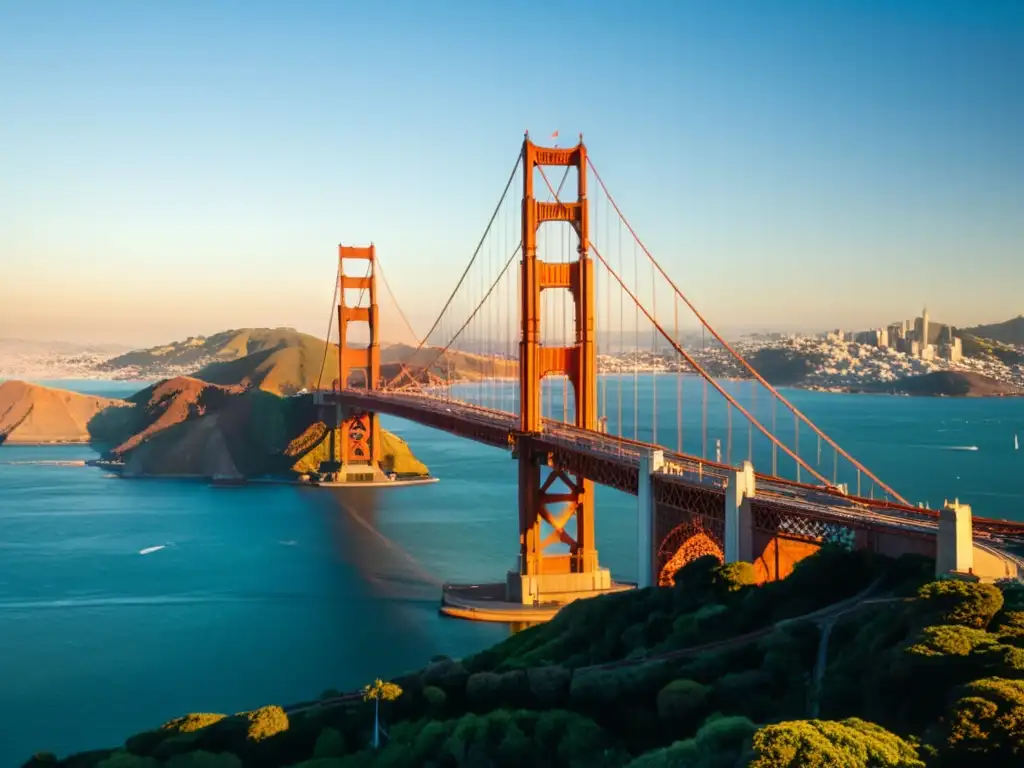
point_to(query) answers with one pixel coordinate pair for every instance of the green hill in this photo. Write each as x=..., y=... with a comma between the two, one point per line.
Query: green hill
x=853, y=660
x=976, y=346
x=285, y=361
x=291, y=366
x=1007, y=332
x=197, y=351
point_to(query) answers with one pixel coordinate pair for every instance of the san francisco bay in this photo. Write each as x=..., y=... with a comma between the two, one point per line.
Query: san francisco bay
x=271, y=593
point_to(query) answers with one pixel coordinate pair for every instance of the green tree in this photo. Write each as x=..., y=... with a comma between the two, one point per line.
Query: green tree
x=126, y=760
x=952, y=601
x=849, y=743
x=264, y=722
x=330, y=743
x=732, y=577
x=682, y=703
x=985, y=726
x=202, y=759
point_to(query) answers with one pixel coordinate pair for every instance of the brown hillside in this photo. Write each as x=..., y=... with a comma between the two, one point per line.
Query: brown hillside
x=948, y=384
x=188, y=427
x=30, y=413
x=170, y=402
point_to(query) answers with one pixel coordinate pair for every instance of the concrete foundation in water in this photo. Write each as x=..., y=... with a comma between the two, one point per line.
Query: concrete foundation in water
x=489, y=602
x=397, y=483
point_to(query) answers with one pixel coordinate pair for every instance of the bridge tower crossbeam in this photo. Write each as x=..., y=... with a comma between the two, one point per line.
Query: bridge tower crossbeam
x=562, y=497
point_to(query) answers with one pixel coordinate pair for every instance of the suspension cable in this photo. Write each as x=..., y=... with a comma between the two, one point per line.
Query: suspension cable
x=330, y=325
x=796, y=412
x=408, y=325
x=479, y=246
x=693, y=363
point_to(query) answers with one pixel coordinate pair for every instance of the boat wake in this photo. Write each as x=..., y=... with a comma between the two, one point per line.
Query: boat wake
x=149, y=550
x=42, y=462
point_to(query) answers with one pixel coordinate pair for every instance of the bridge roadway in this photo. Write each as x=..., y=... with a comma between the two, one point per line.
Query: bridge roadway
x=500, y=429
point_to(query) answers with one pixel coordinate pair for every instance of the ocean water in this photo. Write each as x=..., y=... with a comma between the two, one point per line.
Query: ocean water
x=270, y=594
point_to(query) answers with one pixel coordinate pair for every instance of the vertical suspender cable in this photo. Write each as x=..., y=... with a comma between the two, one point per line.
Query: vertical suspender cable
x=636, y=350
x=728, y=434
x=775, y=449
x=655, y=360
x=679, y=377
x=796, y=444
x=622, y=334
x=750, y=425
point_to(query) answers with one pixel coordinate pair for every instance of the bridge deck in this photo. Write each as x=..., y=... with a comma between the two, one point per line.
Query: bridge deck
x=614, y=461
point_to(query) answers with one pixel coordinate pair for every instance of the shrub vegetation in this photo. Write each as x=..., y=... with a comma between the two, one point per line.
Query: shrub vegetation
x=714, y=671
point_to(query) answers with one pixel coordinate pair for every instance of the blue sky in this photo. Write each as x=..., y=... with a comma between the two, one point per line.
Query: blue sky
x=179, y=168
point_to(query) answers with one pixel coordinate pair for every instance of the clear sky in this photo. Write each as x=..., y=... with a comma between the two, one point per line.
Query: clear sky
x=179, y=168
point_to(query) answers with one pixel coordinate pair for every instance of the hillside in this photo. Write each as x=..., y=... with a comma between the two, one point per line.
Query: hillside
x=946, y=384
x=1007, y=332
x=285, y=369
x=30, y=413
x=184, y=426
x=714, y=672
x=463, y=366
x=284, y=361
x=188, y=356
x=976, y=346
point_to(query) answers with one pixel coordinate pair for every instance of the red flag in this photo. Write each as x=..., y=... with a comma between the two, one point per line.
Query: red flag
x=554, y=135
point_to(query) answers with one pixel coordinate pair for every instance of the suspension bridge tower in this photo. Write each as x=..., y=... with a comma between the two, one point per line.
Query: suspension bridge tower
x=357, y=459
x=562, y=499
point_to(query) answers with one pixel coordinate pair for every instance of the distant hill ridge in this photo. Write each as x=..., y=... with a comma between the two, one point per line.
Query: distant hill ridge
x=201, y=350
x=946, y=384
x=285, y=361
x=1007, y=332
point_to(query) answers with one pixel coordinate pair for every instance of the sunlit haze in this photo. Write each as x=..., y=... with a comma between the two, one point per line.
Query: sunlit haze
x=182, y=168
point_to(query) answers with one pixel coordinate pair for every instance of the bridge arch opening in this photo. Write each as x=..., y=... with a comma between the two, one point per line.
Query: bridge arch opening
x=685, y=543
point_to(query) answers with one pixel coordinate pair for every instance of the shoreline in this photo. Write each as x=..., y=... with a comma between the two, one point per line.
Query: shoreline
x=43, y=443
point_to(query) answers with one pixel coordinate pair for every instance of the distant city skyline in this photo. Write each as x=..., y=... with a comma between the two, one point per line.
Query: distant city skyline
x=177, y=170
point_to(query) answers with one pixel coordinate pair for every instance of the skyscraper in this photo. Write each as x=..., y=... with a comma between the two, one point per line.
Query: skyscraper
x=924, y=327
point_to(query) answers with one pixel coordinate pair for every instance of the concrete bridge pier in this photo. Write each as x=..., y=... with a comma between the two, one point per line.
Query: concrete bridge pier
x=954, y=547
x=650, y=463
x=739, y=529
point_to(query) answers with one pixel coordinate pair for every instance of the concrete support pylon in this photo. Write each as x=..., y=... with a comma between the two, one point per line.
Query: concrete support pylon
x=739, y=531
x=650, y=463
x=955, y=543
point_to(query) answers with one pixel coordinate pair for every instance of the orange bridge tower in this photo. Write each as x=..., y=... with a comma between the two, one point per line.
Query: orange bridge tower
x=359, y=457
x=562, y=497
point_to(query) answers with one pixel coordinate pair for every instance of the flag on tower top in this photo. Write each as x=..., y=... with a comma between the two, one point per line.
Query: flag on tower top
x=554, y=135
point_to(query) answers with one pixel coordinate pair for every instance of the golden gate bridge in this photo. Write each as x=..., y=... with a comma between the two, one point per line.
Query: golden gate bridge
x=559, y=282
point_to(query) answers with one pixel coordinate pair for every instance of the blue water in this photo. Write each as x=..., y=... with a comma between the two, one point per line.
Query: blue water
x=273, y=593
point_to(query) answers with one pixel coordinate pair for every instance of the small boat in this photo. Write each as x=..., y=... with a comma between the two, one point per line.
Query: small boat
x=147, y=550
x=1016, y=445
